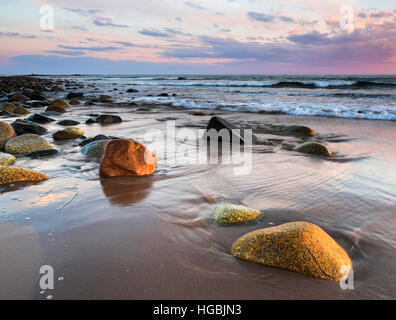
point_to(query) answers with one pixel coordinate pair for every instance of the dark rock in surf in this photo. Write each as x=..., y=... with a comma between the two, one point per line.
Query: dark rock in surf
x=90, y=121
x=37, y=96
x=132, y=90
x=315, y=149
x=42, y=153
x=96, y=138
x=108, y=118
x=68, y=123
x=221, y=129
x=73, y=95
x=25, y=126
x=39, y=118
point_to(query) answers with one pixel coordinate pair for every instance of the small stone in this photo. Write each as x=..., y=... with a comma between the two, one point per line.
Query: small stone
x=20, y=110
x=6, y=159
x=60, y=103
x=25, y=126
x=68, y=133
x=105, y=98
x=26, y=143
x=55, y=109
x=74, y=102
x=39, y=118
x=68, y=123
x=73, y=95
x=42, y=153
x=96, y=138
x=226, y=213
x=6, y=132
x=17, y=174
x=108, y=118
x=95, y=148
x=315, y=149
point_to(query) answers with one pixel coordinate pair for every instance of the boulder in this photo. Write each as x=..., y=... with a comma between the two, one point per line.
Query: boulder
x=17, y=174
x=74, y=102
x=95, y=148
x=227, y=213
x=20, y=110
x=108, y=118
x=39, y=118
x=60, y=103
x=126, y=157
x=25, y=126
x=68, y=133
x=132, y=90
x=42, y=153
x=297, y=246
x=26, y=143
x=56, y=109
x=68, y=122
x=6, y=159
x=221, y=129
x=315, y=149
x=6, y=132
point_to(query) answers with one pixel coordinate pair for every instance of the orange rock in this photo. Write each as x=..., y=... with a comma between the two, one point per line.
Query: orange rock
x=126, y=157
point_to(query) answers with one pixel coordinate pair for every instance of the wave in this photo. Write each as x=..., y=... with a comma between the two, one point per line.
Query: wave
x=338, y=111
x=305, y=84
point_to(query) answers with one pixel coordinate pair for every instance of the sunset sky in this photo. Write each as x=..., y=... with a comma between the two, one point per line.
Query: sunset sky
x=207, y=36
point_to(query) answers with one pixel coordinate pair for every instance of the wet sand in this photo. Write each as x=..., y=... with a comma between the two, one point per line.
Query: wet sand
x=155, y=238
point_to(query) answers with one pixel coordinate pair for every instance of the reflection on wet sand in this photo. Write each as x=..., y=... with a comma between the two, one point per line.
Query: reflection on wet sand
x=124, y=191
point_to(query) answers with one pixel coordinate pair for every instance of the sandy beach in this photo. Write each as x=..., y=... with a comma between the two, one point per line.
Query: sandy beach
x=154, y=237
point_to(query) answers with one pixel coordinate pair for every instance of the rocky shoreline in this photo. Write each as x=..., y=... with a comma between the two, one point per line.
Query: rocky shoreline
x=25, y=95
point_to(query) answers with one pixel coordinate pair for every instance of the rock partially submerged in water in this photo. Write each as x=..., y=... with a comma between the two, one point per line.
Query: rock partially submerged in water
x=60, y=103
x=227, y=213
x=18, y=174
x=74, y=102
x=6, y=132
x=96, y=138
x=25, y=126
x=105, y=98
x=95, y=148
x=6, y=159
x=73, y=95
x=26, y=143
x=55, y=109
x=292, y=130
x=8, y=107
x=68, y=122
x=68, y=133
x=42, y=153
x=314, y=148
x=222, y=130
x=297, y=246
x=39, y=118
x=108, y=118
x=126, y=157
x=20, y=110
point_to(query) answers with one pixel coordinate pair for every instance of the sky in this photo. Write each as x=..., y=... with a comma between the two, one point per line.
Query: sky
x=207, y=36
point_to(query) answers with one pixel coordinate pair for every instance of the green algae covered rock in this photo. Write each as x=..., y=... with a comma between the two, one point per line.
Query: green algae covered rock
x=26, y=143
x=17, y=174
x=226, y=213
x=314, y=148
x=95, y=148
x=6, y=132
x=297, y=246
x=68, y=133
x=6, y=159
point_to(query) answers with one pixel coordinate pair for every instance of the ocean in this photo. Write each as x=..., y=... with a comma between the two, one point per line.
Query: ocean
x=346, y=96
